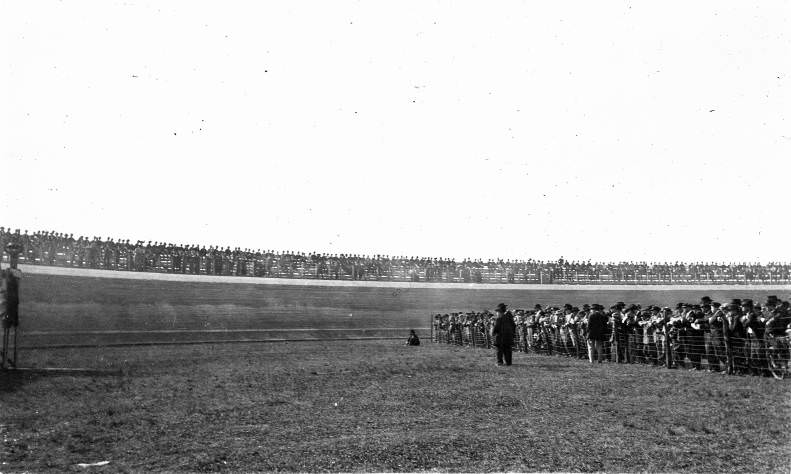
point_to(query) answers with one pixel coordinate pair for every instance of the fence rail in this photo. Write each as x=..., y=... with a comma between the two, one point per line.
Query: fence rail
x=765, y=356
x=128, y=261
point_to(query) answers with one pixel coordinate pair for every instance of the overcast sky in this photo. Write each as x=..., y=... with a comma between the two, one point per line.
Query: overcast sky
x=537, y=129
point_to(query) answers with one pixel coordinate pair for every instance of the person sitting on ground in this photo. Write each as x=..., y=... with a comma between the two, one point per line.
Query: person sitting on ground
x=412, y=340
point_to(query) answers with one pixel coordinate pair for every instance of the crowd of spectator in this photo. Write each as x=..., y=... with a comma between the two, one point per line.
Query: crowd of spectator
x=739, y=337
x=55, y=248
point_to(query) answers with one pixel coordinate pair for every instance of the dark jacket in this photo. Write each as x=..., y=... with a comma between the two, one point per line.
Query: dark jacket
x=504, y=329
x=597, y=326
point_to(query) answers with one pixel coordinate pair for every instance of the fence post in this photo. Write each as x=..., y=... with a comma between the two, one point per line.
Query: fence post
x=728, y=352
x=668, y=354
x=431, y=326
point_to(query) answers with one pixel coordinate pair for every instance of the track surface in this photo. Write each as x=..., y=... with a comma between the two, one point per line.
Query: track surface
x=78, y=306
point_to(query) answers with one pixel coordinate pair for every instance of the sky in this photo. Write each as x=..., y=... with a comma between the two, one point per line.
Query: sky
x=608, y=131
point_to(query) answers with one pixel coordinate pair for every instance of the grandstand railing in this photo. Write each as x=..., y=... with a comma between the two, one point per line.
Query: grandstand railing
x=753, y=355
x=140, y=262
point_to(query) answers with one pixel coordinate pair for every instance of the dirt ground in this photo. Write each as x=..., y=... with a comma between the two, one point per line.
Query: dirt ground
x=381, y=406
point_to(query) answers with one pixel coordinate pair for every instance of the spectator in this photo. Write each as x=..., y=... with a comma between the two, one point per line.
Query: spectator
x=52, y=248
x=597, y=328
x=503, y=334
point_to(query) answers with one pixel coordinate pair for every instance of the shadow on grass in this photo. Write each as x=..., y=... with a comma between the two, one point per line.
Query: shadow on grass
x=13, y=379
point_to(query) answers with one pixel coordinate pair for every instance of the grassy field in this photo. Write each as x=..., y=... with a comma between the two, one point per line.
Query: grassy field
x=381, y=406
x=55, y=307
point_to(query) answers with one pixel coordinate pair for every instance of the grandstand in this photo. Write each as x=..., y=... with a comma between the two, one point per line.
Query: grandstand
x=58, y=249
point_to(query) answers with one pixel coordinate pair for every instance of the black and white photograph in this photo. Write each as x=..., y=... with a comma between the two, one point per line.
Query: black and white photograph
x=418, y=236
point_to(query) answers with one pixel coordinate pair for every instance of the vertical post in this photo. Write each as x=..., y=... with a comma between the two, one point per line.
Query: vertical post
x=668, y=354
x=16, y=332
x=431, y=326
x=728, y=352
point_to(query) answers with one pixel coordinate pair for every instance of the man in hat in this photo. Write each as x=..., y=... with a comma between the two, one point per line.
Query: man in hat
x=697, y=324
x=662, y=324
x=715, y=352
x=572, y=325
x=756, y=327
x=597, y=332
x=778, y=321
x=618, y=338
x=645, y=333
x=769, y=307
x=531, y=327
x=735, y=336
x=778, y=327
x=518, y=332
x=544, y=333
x=9, y=306
x=632, y=331
x=676, y=334
x=503, y=334
x=556, y=320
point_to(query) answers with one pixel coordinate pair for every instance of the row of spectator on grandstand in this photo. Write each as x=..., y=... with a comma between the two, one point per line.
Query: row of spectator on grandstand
x=54, y=248
x=739, y=337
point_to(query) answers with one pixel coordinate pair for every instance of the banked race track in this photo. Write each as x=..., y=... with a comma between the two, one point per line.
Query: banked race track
x=78, y=307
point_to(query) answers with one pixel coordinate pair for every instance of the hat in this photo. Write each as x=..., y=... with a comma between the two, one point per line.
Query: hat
x=705, y=299
x=679, y=305
x=620, y=304
x=586, y=306
x=597, y=307
x=715, y=304
x=736, y=302
x=501, y=307
x=538, y=306
x=747, y=302
x=667, y=309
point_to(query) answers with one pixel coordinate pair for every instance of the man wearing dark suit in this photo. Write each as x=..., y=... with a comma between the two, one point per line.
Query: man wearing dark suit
x=597, y=332
x=503, y=334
